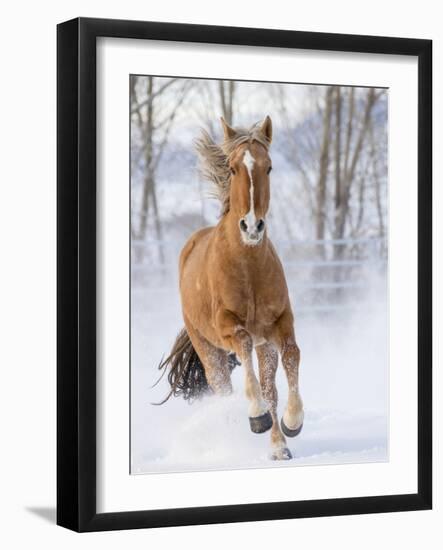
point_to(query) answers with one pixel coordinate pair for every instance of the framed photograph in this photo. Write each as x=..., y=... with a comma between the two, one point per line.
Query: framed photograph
x=244, y=274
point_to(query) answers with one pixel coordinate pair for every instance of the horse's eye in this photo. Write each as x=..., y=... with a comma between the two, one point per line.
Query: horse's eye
x=268, y=171
x=232, y=170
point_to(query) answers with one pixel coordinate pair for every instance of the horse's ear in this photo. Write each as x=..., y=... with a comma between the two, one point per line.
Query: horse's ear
x=228, y=132
x=266, y=129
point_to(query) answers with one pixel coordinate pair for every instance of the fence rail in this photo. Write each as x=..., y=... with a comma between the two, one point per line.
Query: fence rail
x=317, y=281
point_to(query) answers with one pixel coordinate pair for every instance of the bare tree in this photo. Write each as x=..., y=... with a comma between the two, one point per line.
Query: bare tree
x=227, y=96
x=324, y=166
x=154, y=124
x=377, y=183
x=217, y=98
x=301, y=151
x=352, y=158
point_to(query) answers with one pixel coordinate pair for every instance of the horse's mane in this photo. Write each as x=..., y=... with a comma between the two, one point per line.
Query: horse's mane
x=214, y=160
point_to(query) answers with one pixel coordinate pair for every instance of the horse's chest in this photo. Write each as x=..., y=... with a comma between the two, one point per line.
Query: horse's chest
x=255, y=307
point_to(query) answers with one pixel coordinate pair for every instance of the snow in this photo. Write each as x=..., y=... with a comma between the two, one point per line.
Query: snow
x=343, y=380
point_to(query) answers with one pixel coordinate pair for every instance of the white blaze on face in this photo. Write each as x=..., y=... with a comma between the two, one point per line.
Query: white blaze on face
x=251, y=220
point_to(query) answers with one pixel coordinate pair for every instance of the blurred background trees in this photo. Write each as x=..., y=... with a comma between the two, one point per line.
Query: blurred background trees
x=152, y=121
x=329, y=182
x=339, y=152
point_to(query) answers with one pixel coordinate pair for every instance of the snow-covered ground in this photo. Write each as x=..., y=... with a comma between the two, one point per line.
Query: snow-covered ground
x=344, y=385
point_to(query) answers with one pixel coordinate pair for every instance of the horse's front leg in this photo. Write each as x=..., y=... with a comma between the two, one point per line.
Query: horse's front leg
x=267, y=355
x=236, y=338
x=292, y=420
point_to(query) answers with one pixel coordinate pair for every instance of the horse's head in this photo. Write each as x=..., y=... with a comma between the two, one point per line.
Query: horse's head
x=250, y=167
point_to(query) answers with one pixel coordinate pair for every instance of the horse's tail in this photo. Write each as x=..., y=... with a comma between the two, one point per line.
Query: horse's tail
x=186, y=374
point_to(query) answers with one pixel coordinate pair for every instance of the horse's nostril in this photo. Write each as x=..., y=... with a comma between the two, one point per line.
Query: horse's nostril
x=243, y=225
x=260, y=225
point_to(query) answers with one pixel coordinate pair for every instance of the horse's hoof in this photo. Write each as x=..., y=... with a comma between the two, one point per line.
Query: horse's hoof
x=282, y=454
x=261, y=424
x=288, y=432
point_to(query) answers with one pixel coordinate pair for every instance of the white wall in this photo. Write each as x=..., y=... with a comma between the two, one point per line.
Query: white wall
x=27, y=229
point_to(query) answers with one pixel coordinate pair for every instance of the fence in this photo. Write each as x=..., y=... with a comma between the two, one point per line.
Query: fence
x=323, y=276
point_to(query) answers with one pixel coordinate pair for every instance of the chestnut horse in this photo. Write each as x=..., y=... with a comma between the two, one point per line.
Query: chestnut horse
x=234, y=294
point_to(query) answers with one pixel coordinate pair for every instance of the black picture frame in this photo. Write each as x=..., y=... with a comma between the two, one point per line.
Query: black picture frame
x=76, y=273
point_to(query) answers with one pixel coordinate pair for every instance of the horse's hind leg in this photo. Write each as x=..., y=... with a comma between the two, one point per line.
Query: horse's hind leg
x=215, y=361
x=292, y=420
x=267, y=355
